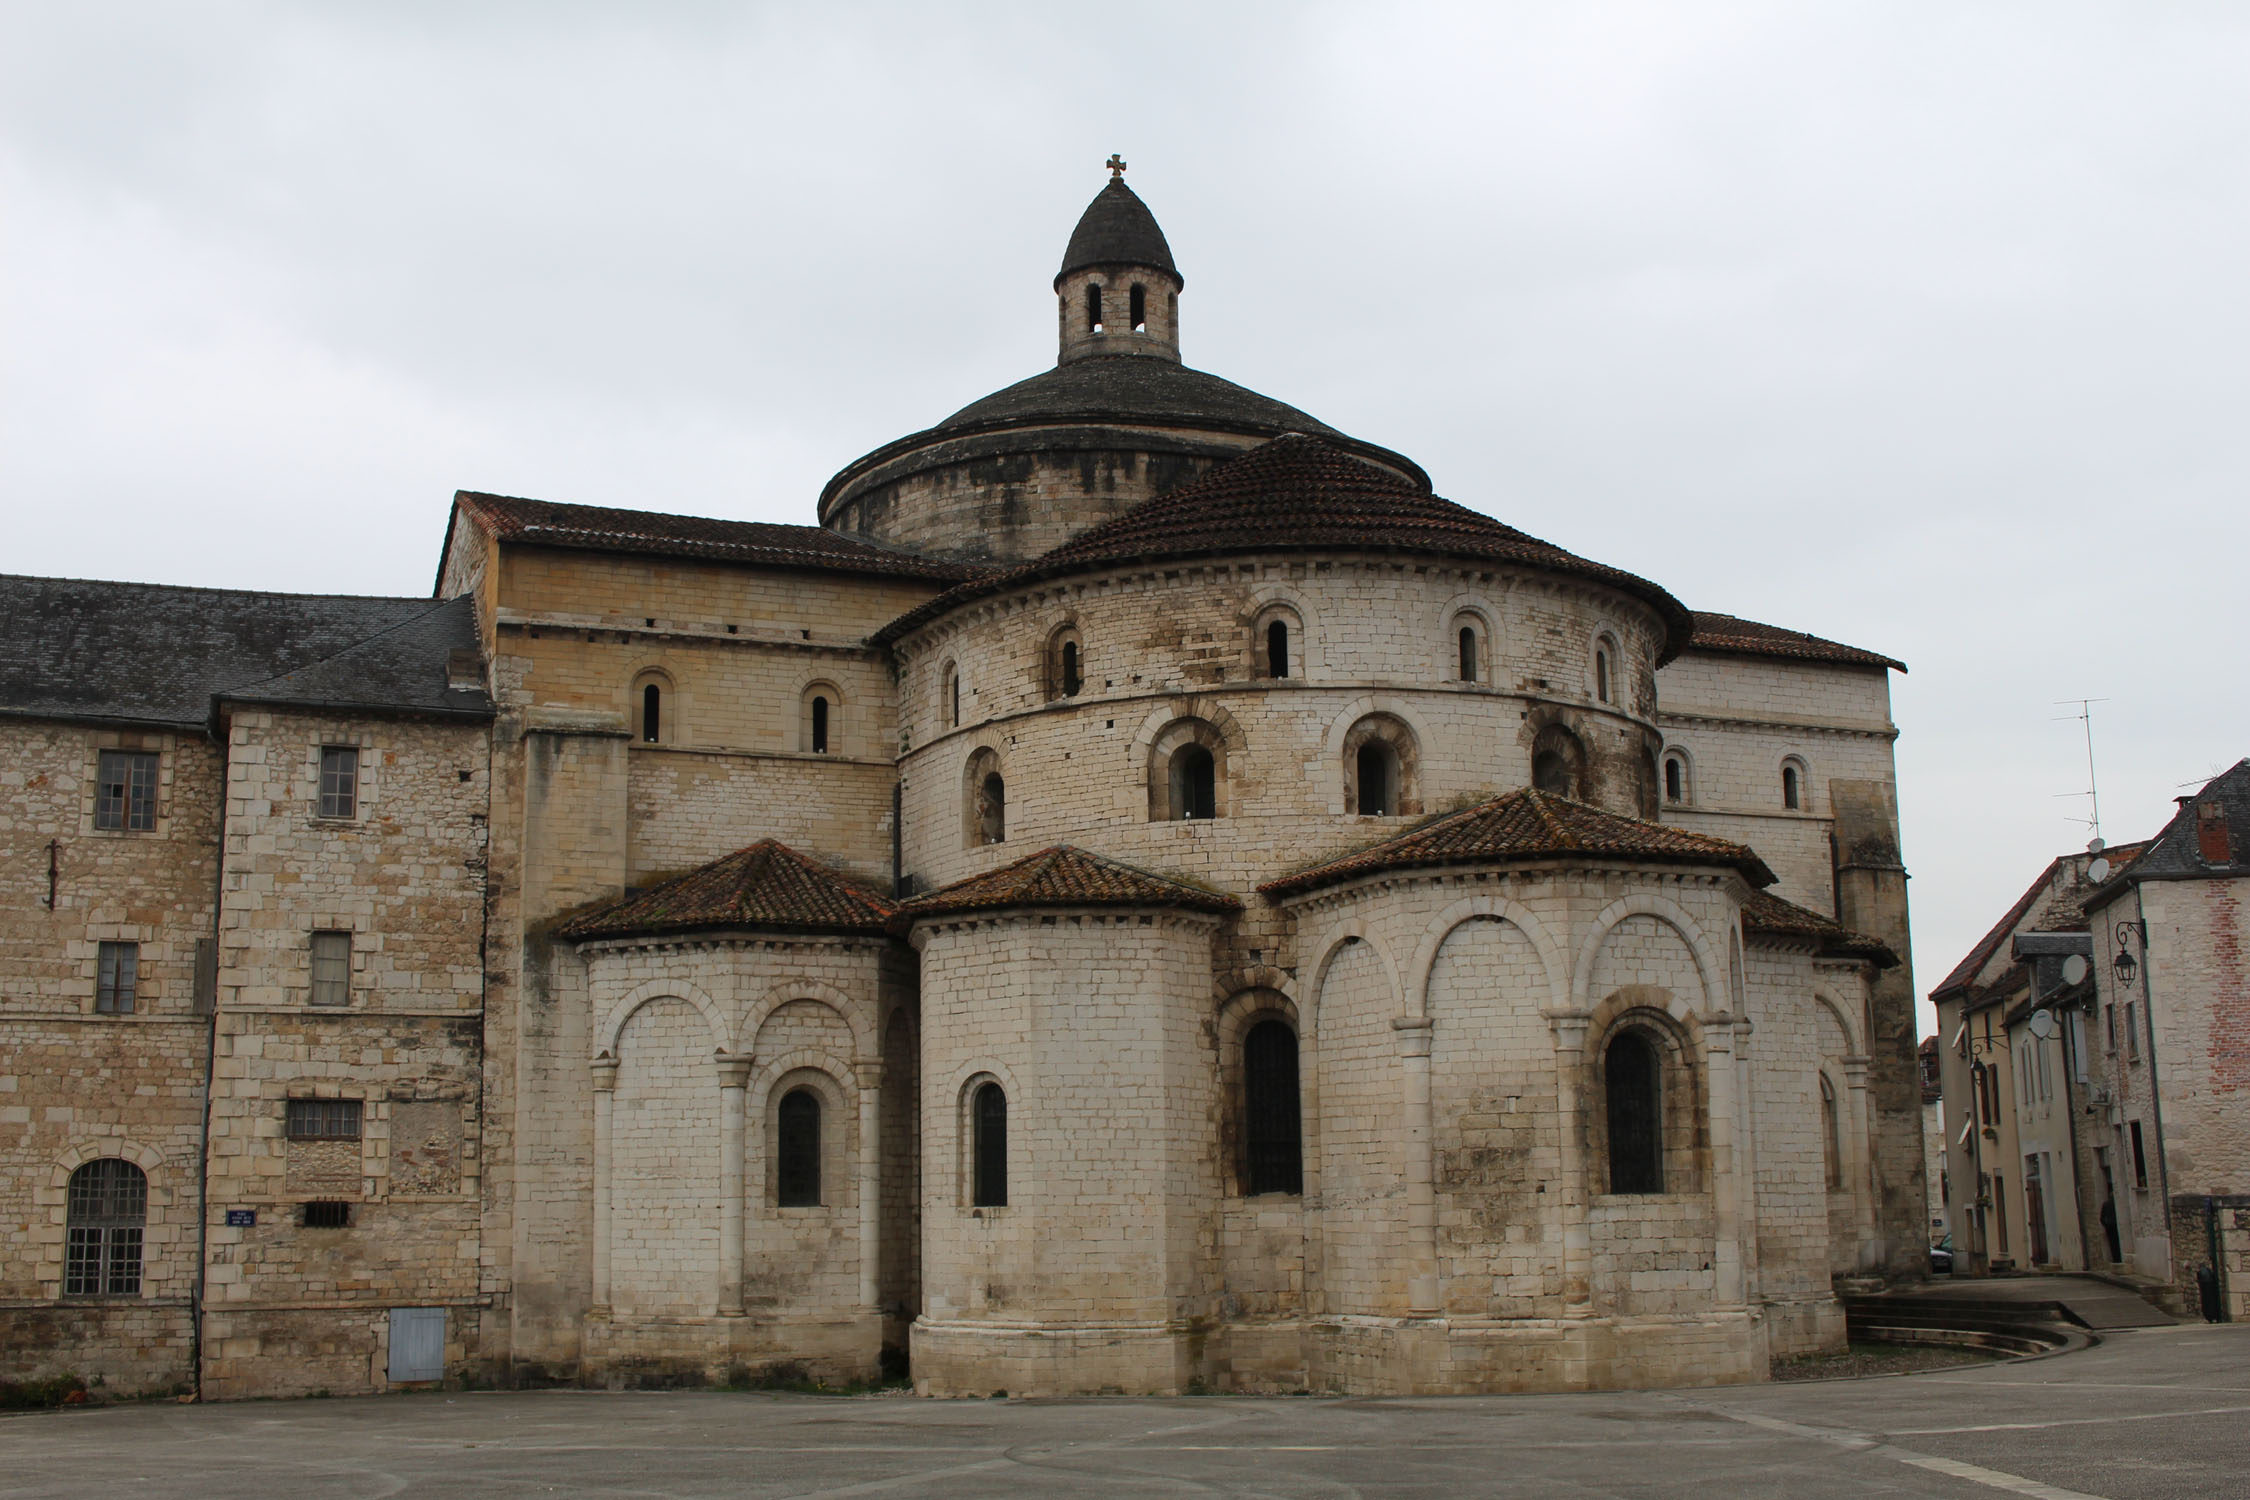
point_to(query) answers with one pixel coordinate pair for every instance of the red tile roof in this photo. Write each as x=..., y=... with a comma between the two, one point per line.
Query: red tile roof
x=1762, y=911
x=1731, y=635
x=1066, y=876
x=1526, y=825
x=1300, y=494
x=597, y=528
x=768, y=885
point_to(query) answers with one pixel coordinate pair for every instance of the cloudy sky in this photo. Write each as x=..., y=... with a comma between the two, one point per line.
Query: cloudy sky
x=1917, y=326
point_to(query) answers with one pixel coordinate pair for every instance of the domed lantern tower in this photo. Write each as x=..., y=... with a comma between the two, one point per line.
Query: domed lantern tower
x=1118, y=291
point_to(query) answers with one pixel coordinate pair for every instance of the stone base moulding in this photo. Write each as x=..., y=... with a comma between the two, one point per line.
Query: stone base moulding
x=624, y=1351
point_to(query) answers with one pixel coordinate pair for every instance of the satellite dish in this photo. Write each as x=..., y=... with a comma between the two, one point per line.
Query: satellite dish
x=2075, y=969
x=2042, y=1022
x=2097, y=871
x=2095, y=846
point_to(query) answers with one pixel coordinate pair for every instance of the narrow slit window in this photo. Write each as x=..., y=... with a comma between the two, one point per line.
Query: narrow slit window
x=1093, y=309
x=1601, y=675
x=1072, y=681
x=1831, y=1145
x=2140, y=1157
x=118, y=977
x=1277, y=649
x=989, y=1170
x=107, y=1216
x=819, y=725
x=1468, y=654
x=1139, y=308
x=952, y=698
x=1792, y=795
x=1633, y=1090
x=1271, y=1127
x=339, y=781
x=652, y=714
x=1675, y=779
x=797, y=1150
x=992, y=808
x=125, y=791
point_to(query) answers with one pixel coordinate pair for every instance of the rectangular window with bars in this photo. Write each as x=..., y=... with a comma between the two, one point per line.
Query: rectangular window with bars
x=331, y=968
x=125, y=791
x=327, y=1215
x=339, y=781
x=118, y=978
x=324, y=1119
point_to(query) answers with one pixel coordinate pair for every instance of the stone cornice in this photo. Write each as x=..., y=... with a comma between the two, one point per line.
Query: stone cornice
x=1666, y=718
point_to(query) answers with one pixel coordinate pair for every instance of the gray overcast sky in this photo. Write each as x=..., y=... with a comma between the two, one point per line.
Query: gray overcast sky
x=1917, y=326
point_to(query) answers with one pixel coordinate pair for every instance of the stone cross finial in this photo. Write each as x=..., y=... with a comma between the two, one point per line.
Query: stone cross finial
x=1116, y=165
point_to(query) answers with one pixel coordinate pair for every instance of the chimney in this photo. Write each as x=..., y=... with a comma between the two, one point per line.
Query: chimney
x=2211, y=832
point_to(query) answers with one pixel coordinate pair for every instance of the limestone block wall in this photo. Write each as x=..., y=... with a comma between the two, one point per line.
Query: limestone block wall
x=686, y=808
x=2199, y=936
x=77, y=1086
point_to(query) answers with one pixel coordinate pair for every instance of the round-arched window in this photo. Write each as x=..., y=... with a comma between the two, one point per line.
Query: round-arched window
x=1633, y=1086
x=107, y=1217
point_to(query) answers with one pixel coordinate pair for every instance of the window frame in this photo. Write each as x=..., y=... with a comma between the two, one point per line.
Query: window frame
x=315, y=958
x=307, y=1117
x=1634, y=1138
x=988, y=1144
x=117, y=970
x=105, y=1234
x=336, y=797
x=1272, y=1112
x=798, y=1180
x=136, y=807
x=1796, y=784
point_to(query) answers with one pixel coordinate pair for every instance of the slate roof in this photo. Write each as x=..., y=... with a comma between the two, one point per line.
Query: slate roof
x=1066, y=876
x=1299, y=493
x=2176, y=852
x=1764, y=912
x=598, y=528
x=1731, y=635
x=2063, y=911
x=155, y=654
x=1525, y=825
x=1116, y=229
x=768, y=885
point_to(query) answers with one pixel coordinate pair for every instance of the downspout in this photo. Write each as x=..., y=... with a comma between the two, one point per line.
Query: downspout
x=223, y=737
x=2077, y=1177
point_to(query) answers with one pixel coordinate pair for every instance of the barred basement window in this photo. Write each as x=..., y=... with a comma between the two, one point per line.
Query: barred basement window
x=1634, y=1087
x=327, y=1215
x=125, y=790
x=797, y=1150
x=339, y=781
x=1271, y=1130
x=323, y=1119
x=331, y=968
x=989, y=1149
x=118, y=979
x=107, y=1215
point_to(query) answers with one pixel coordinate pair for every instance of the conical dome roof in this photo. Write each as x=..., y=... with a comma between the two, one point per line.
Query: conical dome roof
x=1117, y=229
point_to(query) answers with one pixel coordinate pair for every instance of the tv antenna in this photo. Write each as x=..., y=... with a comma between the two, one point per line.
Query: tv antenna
x=2092, y=794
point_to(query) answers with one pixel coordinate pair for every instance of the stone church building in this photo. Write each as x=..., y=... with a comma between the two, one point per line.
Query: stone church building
x=1143, y=895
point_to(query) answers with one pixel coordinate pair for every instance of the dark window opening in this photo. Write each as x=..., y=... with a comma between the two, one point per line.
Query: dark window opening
x=1601, y=675
x=819, y=725
x=1195, y=783
x=125, y=791
x=989, y=1168
x=106, y=1216
x=652, y=714
x=118, y=979
x=323, y=1119
x=1072, y=680
x=1468, y=654
x=1790, y=794
x=1139, y=309
x=1675, y=781
x=1093, y=309
x=992, y=809
x=1633, y=1076
x=1271, y=1132
x=2140, y=1157
x=953, y=700
x=1378, y=794
x=339, y=781
x=1831, y=1143
x=1550, y=772
x=326, y=1215
x=797, y=1150
x=1277, y=649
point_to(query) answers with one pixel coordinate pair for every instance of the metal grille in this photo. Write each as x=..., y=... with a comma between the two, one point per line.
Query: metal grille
x=1270, y=1128
x=797, y=1150
x=108, y=1211
x=119, y=978
x=324, y=1119
x=339, y=781
x=1634, y=1080
x=327, y=1215
x=331, y=968
x=990, y=1187
x=125, y=790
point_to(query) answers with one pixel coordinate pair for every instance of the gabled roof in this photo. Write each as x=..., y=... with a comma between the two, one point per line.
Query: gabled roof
x=1116, y=229
x=2177, y=853
x=598, y=528
x=145, y=653
x=1299, y=494
x=1731, y=635
x=1764, y=912
x=766, y=886
x=1526, y=825
x=1067, y=876
x=2062, y=910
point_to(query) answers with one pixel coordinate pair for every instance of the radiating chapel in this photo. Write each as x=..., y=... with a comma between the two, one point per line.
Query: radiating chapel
x=1145, y=896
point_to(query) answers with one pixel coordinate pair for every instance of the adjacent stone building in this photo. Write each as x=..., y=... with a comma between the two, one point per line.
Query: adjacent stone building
x=1145, y=895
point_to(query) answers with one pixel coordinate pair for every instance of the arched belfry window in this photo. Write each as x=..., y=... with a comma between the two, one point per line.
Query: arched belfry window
x=1065, y=667
x=1277, y=642
x=652, y=714
x=988, y=1147
x=1272, y=1132
x=1831, y=1144
x=1675, y=778
x=819, y=724
x=1187, y=762
x=796, y=1153
x=1380, y=760
x=1633, y=1089
x=1093, y=308
x=1602, y=672
x=107, y=1216
x=1140, y=308
x=1468, y=653
x=1072, y=681
x=950, y=694
x=1277, y=648
x=1558, y=763
x=1793, y=784
x=1377, y=774
x=1195, y=783
x=985, y=792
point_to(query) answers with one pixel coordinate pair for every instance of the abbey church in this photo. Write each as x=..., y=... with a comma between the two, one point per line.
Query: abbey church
x=1143, y=896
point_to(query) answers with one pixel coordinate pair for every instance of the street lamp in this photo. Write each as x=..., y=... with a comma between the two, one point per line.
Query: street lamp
x=2126, y=966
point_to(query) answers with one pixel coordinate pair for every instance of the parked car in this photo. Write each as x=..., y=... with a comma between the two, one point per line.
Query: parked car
x=1941, y=1257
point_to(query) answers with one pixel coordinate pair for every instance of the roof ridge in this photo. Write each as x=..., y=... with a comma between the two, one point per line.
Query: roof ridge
x=1547, y=818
